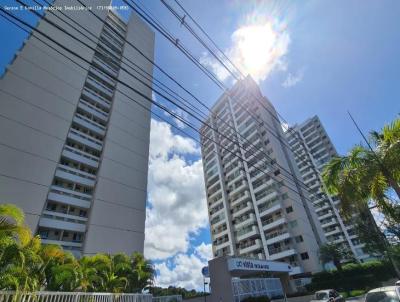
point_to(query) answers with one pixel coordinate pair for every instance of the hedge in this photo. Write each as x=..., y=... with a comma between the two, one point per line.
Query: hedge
x=353, y=276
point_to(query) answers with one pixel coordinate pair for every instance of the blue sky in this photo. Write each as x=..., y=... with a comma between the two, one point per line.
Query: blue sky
x=336, y=55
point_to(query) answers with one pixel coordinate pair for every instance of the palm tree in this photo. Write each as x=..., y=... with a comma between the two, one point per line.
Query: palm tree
x=89, y=275
x=110, y=280
x=12, y=224
x=334, y=253
x=364, y=174
x=143, y=272
x=20, y=266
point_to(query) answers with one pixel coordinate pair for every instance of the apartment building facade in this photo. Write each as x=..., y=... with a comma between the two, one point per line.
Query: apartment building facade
x=312, y=149
x=73, y=146
x=257, y=209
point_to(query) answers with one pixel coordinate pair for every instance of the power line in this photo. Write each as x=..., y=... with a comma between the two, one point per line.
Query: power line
x=273, y=132
x=150, y=82
x=147, y=98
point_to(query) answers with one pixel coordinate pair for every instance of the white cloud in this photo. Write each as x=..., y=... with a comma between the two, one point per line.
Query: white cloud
x=219, y=70
x=185, y=272
x=176, y=193
x=293, y=79
x=258, y=47
x=204, y=251
x=163, y=142
x=180, y=113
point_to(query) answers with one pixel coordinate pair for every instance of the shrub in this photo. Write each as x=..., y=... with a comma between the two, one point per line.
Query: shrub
x=353, y=276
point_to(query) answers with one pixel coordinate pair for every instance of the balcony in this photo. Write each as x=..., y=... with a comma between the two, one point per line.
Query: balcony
x=239, y=198
x=81, y=156
x=340, y=239
x=62, y=243
x=75, y=175
x=233, y=169
x=250, y=219
x=247, y=233
x=250, y=247
x=64, y=217
x=329, y=222
x=89, y=124
x=221, y=244
x=270, y=196
x=214, y=194
x=114, y=53
x=93, y=110
x=102, y=75
x=271, y=223
x=256, y=166
x=326, y=215
x=239, y=188
x=112, y=35
x=265, y=185
x=99, y=62
x=69, y=197
x=244, y=209
x=62, y=225
x=240, y=175
x=282, y=252
x=216, y=213
x=326, y=206
x=112, y=39
x=274, y=207
x=277, y=236
x=85, y=139
x=99, y=86
x=90, y=94
x=333, y=231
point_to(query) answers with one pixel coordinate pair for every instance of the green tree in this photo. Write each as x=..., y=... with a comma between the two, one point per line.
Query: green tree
x=110, y=272
x=12, y=224
x=330, y=252
x=20, y=265
x=366, y=174
x=142, y=276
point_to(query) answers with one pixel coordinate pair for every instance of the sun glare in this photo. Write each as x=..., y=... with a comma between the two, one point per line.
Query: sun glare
x=259, y=48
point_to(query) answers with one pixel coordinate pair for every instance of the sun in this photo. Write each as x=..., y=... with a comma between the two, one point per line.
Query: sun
x=259, y=48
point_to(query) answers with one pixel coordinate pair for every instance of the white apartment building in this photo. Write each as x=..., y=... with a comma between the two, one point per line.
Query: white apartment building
x=252, y=211
x=312, y=149
x=73, y=147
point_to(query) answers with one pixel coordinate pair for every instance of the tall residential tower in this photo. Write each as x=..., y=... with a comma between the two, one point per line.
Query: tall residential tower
x=73, y=145
x=313, y=148
x=257, y=206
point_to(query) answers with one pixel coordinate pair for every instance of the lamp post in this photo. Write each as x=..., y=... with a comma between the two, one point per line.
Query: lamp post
x=204, y=291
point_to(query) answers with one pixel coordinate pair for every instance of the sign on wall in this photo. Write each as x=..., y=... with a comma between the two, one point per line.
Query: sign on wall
x=257, y=265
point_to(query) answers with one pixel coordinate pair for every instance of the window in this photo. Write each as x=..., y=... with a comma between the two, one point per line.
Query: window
x=299, y=239
x=44, y=234
x=304, y=256
x=66, y=234
x=289, y=209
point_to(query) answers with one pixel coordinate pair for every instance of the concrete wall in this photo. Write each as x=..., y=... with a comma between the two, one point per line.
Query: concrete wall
x=38, y=96
x=119, y=207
